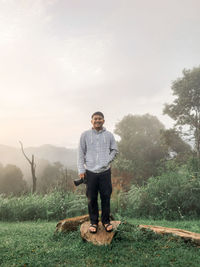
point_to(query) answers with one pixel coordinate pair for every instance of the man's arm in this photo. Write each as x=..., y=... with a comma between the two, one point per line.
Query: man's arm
x=81, y=156
x=113, y=149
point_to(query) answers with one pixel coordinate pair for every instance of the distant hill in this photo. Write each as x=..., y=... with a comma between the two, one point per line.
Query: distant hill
x=68, y=157
x=43, y=155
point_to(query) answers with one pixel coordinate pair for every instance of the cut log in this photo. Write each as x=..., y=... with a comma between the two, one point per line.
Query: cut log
x=101, y=237
x=71, y=224
x=186, y=235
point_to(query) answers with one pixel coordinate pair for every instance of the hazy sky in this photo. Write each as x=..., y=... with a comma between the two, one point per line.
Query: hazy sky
x=61, y=60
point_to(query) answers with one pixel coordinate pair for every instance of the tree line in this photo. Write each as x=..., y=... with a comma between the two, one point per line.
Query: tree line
x=54, y=177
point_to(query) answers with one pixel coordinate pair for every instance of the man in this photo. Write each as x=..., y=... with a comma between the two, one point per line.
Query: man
x=97, y=149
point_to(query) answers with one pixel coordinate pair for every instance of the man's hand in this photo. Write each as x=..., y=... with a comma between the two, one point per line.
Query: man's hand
x=82, y=175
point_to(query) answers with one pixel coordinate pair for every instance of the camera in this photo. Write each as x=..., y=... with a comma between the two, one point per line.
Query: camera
x=80, y=181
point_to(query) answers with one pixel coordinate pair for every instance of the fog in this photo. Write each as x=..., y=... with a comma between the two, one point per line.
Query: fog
x=63, y=60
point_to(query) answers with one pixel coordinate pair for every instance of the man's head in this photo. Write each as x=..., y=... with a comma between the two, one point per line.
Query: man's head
x=97, y=120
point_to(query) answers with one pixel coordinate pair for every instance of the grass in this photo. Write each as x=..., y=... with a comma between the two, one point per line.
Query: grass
x=34, y=244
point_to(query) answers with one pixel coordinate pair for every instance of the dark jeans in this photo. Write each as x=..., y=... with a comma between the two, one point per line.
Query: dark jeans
x=99, y=182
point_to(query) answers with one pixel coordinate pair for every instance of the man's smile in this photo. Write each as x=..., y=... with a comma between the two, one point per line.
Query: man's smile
x=97, y=122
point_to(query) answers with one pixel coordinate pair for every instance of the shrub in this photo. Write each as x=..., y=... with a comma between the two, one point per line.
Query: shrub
x=172, y=195
x=53, y=206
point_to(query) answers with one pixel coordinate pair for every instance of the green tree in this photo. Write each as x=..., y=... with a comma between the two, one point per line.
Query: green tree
x=140, y=145
x=11, y=180
x=185, y=109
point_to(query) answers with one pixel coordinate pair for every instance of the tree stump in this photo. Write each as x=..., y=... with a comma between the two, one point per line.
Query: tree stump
x=101, y=237
x=71, y=224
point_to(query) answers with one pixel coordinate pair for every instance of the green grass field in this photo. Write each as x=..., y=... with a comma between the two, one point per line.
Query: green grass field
x=34, y=244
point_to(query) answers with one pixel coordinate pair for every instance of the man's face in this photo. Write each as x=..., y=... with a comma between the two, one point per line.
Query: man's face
x=97, y=122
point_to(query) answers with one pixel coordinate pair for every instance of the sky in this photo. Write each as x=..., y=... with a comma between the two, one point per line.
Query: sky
x=62, y=60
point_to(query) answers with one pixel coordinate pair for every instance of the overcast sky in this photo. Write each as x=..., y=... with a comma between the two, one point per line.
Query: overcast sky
x=62, y=60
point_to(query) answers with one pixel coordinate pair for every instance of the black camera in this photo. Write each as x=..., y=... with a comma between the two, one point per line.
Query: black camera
x=80, y=181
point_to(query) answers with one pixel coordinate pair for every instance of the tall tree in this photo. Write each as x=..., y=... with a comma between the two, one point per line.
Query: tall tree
x=185, y=109
x=140, y=145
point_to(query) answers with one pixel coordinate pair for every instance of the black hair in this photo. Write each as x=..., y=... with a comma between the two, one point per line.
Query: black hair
x=98, y=113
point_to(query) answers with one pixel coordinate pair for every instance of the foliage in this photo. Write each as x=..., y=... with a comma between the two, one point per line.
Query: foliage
x=52, y=206
x=175, y=145
x=193, y=166
x=185, y=109
x=140, y=145
x=172, y=195
x=122, y=164
x=33, y=244
x=11, y=180
x=55, y=176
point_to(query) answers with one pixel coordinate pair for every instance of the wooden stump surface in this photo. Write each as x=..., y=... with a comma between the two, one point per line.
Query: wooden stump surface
x=101, y=237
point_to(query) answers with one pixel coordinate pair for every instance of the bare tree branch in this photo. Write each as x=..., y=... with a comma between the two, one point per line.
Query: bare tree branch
x=33, y=167
x=22, y=148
